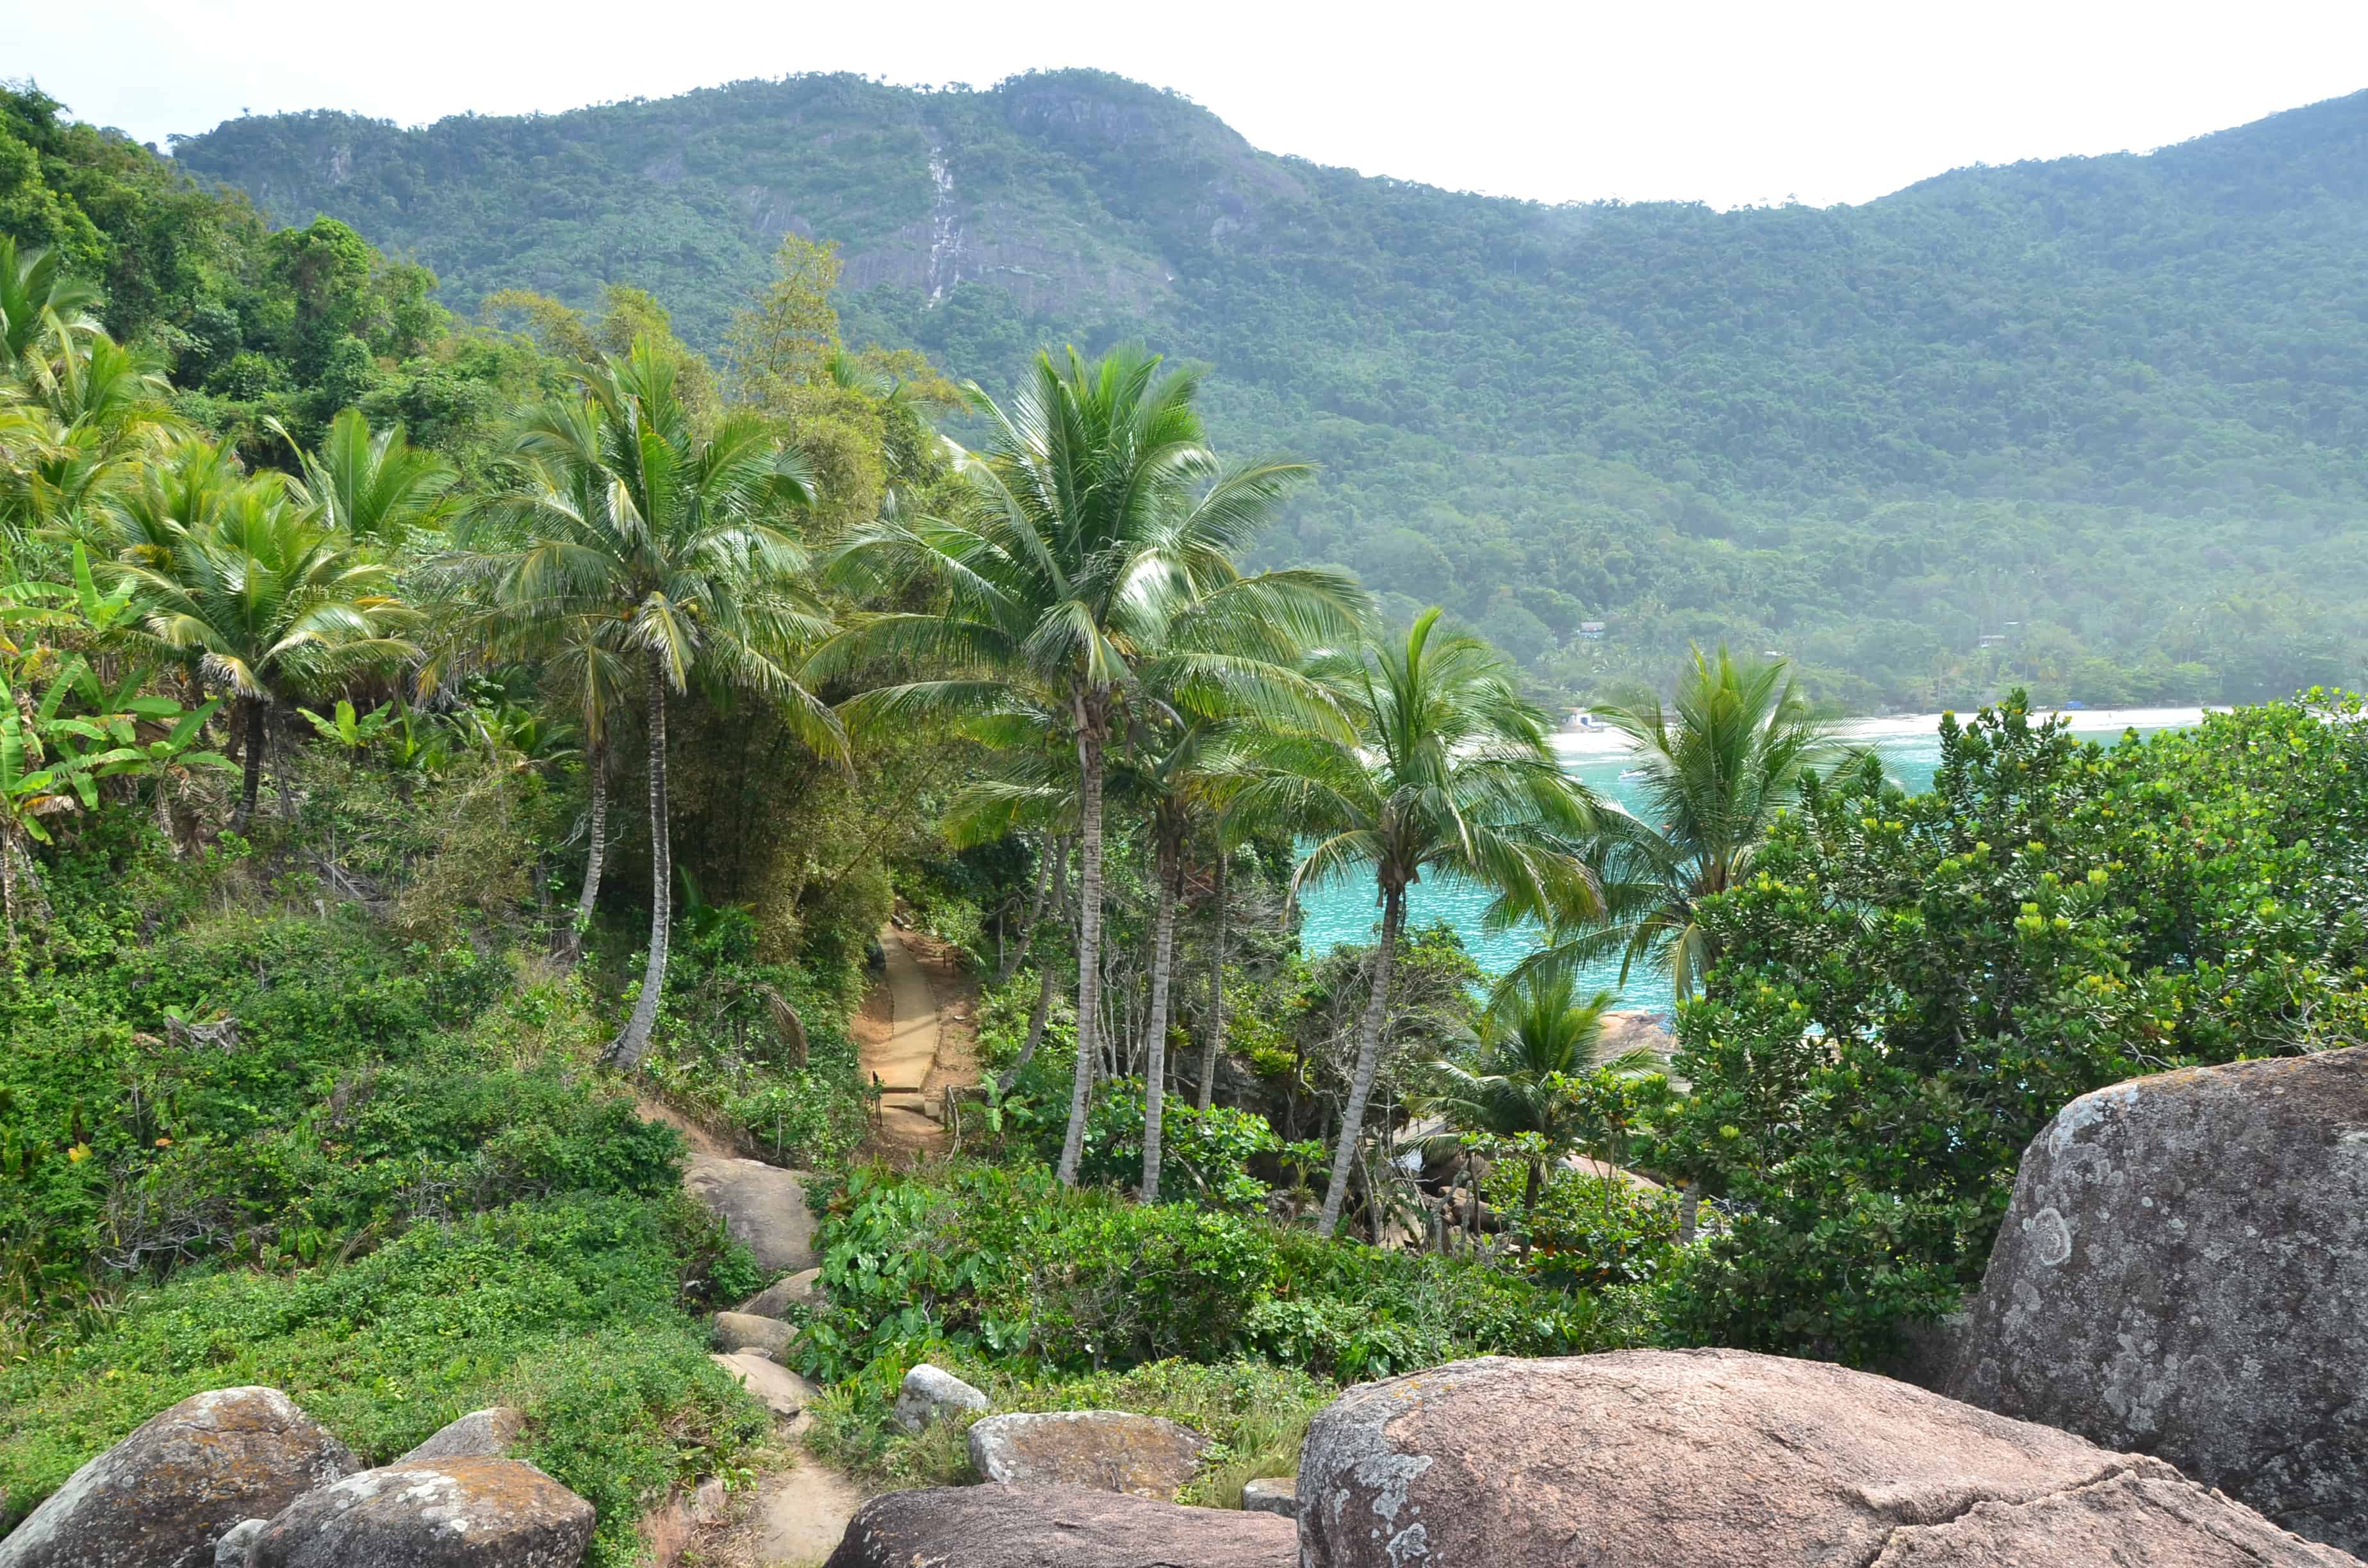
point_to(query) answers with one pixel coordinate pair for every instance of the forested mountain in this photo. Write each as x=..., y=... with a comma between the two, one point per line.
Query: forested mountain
x=2107, y=415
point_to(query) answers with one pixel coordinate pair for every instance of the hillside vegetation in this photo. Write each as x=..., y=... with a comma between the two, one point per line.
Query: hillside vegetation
x=439, y=759
x=2106, y=412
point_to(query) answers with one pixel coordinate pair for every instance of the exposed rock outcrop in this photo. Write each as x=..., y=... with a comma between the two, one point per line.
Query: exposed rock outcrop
x=1110, y=1450
x=237, y=1542
x=455, y=1513
x=763, y=1207
x=802, y=1289
x=2184, y=1270
x=1057, y=1526
x=1271, y=1495
x=745, y=1331
x=930, y=1392
x=481, y=1434
x=783, y=1392
x=165, y=1494
x=1722, y=1459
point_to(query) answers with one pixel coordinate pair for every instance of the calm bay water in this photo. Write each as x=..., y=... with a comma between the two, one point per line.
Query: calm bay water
x=1346, y=913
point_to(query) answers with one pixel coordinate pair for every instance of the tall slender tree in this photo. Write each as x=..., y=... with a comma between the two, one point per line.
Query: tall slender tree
x=1720, y=760
x=1099, y=516
x=1450, y=776
x=623, y=507
x=1213, y=1035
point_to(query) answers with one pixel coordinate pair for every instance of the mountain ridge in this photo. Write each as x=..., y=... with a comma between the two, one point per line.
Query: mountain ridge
x=1675, y=419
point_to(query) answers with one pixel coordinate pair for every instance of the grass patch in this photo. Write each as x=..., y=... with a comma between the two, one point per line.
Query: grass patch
x=1254, y=1415
x=573, y=1310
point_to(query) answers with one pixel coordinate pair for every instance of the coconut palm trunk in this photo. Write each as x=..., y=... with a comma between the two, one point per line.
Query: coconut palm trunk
x=1090, y=739
x=1018, y=954
x=1369, y=1052
x=634, y=1043
x=1047, y=976
x=1154, y=1072
x=251, y=785
x=591, y=895
x=1216, y=992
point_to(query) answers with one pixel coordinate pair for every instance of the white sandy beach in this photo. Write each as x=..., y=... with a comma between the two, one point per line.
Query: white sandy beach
x=1574, y=740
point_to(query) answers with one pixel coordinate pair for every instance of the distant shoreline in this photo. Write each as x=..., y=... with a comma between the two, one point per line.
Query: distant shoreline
x=1571, y=741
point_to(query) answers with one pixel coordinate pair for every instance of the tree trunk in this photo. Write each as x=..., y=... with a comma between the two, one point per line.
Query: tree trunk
x=634, y=1043
x=252, y=785
x=1045, y=976
x=281, y=746
x=1154, y=1072
x=1471, y=1187
x=591, y=895
x=1209, y=1047
x=1369, y=1051
x=1019, y=955
x=9, y=886
x=1089, y=937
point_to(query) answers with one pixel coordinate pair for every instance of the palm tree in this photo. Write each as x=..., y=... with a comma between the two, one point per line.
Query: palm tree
x=274, y=605
x=1101, y=516
x=378, y=486
x=1451, y=777
x=45, y=309
x=77, y=426
x=1535, y=1037
x=1029, y=782
x=1170, y=771
x=1720, y=761
x=622, y=510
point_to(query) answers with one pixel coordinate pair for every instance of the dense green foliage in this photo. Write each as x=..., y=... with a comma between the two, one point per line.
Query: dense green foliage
x=1912, y=985
x=246, y=1144
x=569, y=1311
x=1002, y=1262
x=2109, y=408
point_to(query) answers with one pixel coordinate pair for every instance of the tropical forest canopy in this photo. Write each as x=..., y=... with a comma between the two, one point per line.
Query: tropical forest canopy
x=2093, y=425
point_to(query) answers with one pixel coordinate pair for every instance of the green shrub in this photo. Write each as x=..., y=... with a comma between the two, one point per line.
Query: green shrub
x=1254, y=1415
x=722, y=1047
x=1204, y=1155
x=1585, y=1231
x=1910, y=986
x=1004, y=1264
x=572, y=1309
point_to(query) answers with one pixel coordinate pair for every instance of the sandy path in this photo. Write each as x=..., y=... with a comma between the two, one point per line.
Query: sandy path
x=801, y=1514
x=913, y=1040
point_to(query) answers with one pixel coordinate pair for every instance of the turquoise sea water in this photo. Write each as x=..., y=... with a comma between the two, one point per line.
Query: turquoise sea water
x=1348, y=914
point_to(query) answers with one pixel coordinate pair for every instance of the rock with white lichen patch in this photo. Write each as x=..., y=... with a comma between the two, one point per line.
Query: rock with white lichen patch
x=165, y=1495
x=2184, y=1270
x=455, y=1513
x=929, y=1395
x=1722, y=1459
x=1055, y=1526
x=1115, y=1451
x=481, y=1434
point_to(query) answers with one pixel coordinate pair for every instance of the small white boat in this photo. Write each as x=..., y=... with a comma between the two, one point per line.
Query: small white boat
x=1633, y=775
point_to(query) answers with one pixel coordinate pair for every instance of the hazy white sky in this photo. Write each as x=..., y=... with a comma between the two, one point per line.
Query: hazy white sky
x=1728, y=103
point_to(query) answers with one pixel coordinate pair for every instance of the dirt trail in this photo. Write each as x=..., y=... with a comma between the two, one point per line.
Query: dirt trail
x=916, y=1032
x=914, y=1039
x=649, y=1107
x=800, y=1515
